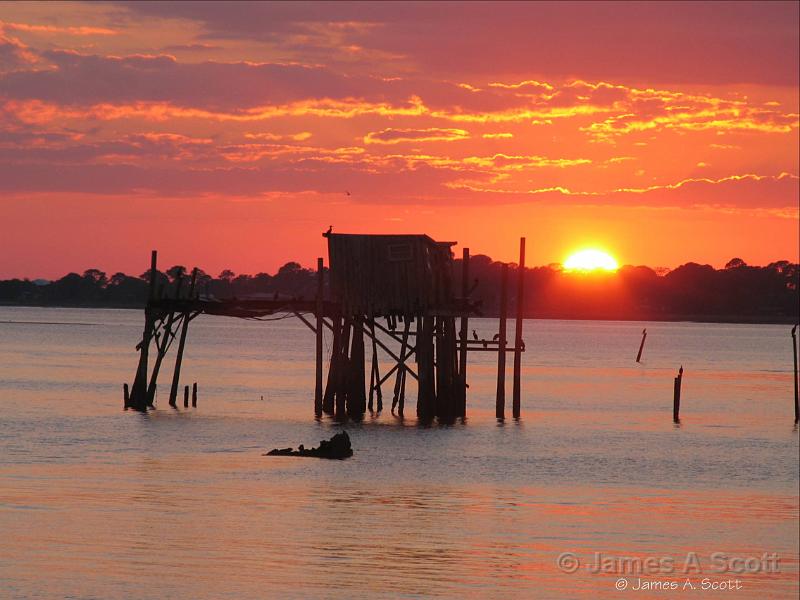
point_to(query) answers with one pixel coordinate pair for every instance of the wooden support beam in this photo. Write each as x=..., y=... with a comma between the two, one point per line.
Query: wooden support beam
x=318, y=332
x=515, y=408
x=463, y=335
x=399, y=386
x=342, y=378
x=446, y=366
x=794, y=357
x=509, y=349
x=401, y=402
x=375, y=369
x=138, y=397
x=333, y=369
x=500, y=406
x=426, y=396
x=356, y=398
x=176, y=374
x=384, y=347
x=162, y=345
x=306, y=322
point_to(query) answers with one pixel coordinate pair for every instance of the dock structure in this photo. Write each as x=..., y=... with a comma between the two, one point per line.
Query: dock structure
x=396, y=295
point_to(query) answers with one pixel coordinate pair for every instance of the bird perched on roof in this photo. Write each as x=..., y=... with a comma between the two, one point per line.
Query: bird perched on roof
x=327, y=233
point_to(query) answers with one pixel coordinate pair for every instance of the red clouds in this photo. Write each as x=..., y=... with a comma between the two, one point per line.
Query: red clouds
x=405, y=104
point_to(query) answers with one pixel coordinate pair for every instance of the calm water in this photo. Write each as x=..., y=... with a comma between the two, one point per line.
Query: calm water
x=96, y=502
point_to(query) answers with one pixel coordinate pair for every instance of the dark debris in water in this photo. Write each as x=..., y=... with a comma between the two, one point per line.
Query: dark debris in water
x=338, y=447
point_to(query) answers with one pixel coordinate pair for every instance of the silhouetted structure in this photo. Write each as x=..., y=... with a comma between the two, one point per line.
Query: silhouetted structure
x=398, y=285
x=338, y=447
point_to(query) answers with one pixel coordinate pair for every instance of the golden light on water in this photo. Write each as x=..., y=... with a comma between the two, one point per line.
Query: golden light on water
x=591, y=259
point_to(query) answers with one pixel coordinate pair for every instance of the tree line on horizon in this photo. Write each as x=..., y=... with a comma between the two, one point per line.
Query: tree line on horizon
x=693, y=291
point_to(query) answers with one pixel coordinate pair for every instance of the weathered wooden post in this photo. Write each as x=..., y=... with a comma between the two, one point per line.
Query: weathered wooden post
x=343, y=371
x=318, y=386
x=186, y=396
x=400, y=382
x=376, y=387
x=676, y=399
x=463, y=333
x=163, y=343
x=794, y=354
x=176, y=375
x=334, y=367
x=194, y=395
x=138, y=397
x=500, y=406
x=518, y=330
x=126, y=394
x=641, y=346
x=426, y=395
x=356, y=399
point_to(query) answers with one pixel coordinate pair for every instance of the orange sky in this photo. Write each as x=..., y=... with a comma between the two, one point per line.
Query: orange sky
x=231, y=135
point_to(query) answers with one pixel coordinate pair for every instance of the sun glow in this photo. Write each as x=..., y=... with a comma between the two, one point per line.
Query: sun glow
x=590, y=260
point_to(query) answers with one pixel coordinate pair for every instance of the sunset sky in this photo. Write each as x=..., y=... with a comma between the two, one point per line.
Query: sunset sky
x=231, y=135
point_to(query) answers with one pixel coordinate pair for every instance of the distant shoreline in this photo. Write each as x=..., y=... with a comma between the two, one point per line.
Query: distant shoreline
x=731, y=319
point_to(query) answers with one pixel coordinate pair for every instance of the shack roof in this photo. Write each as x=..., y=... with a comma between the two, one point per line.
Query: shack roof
x=406, y=274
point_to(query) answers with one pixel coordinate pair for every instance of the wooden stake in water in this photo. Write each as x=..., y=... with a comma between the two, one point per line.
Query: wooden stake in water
x=676, y=400
x=516, y=390
x=641, y=346
x=462, y=356
x=794, y=355
x=176, y=374
x=500, y=406
x=186, y=396
x=194, y=395
x=318, y=373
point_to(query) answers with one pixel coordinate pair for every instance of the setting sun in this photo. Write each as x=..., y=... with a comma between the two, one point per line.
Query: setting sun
x=591, y=260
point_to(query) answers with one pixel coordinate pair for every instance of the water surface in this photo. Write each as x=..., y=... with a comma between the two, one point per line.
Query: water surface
x=96, y=502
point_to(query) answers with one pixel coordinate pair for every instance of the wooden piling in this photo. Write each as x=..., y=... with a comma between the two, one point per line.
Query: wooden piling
x=333, y=370
x=794, y=355
x=500, y=406
x=162, y=344
x=138, y=396
x=375, y=369
x=426, y=395
x=176, y=374
x=194, y=395
x=518, y=331
x=318, y=386
x=463, y=334
x=399, y=385
x=186, y=396
x=356, y=398
x=401, y=400
x=343, y=371
x=676, y=399
x=449, y=363
x=126, y=394
x=641, y=346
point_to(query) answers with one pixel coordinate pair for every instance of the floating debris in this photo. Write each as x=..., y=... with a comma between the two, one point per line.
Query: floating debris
x=338, y=447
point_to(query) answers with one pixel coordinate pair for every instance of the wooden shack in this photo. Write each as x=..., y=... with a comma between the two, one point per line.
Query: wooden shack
x=383, y=275
x=393, y=294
